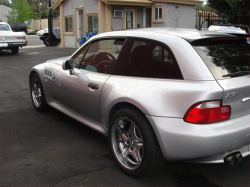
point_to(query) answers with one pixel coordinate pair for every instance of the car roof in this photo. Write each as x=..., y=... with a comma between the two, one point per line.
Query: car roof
x=188, y=34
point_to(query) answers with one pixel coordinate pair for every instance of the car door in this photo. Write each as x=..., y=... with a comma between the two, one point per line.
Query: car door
x=94, y=63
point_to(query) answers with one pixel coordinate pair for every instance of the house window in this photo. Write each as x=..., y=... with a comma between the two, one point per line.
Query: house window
x=69, y=24
x=158, y=13
x=93, y=23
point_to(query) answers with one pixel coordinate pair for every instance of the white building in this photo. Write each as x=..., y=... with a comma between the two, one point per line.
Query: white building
x=4, y=11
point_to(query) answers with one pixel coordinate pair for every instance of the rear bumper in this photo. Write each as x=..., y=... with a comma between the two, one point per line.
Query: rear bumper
x=181, y=141
x=14, y=44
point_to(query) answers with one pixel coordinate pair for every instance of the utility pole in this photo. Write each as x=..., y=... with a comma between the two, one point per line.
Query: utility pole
x=40, y=13
x=50, y=24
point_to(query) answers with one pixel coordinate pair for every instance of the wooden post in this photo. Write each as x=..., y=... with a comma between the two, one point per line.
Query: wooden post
x=62, y=25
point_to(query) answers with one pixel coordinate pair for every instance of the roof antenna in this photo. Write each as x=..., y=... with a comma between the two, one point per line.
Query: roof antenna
x=200, y=27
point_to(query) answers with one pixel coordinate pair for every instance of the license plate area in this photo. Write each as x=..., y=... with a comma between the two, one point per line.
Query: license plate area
x=3, y=44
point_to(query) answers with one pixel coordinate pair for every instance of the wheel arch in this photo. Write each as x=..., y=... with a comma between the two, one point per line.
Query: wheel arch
x=33, y=72
x=121, y=105
x=125, y=104
x=36, y=71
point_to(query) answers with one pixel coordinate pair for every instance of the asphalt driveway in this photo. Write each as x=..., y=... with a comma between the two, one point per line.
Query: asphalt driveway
x=51, y=149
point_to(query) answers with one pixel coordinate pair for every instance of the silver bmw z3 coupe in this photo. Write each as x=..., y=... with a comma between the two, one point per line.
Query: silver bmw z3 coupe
x=158, y=94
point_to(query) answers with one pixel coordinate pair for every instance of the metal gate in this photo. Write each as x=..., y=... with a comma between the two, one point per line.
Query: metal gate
x=206, y=18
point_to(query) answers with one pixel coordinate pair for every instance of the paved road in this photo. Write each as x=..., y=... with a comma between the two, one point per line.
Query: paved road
x=51, y=149
x=34, y=40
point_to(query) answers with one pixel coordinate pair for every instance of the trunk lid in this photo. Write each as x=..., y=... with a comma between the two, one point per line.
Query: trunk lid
x=236, y=92
x=228, y=61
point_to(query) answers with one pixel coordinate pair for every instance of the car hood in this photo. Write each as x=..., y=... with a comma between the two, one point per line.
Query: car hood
x=58, y=61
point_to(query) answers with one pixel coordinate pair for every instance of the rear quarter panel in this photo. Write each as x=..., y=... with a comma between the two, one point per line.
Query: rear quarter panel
x=156, y=97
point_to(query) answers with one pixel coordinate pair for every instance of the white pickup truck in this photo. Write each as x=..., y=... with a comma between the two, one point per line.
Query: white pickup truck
x=10, y=40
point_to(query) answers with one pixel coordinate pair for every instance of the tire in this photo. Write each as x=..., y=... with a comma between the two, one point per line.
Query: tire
x=56, y=41
x=134, y=144
x=37, y=93
x=14, y=50
x=46, y=40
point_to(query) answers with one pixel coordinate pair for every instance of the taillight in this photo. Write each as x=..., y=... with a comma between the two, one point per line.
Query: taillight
x=21, y=37
x=207, y=112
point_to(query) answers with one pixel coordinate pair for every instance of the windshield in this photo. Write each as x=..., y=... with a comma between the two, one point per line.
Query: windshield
x=226, y=60
x=4, y=27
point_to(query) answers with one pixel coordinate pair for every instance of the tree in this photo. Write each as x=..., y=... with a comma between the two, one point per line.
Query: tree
x=234, y=11
x=39, y=7
x=233, y=5
x=20, y=11
x=5, y=2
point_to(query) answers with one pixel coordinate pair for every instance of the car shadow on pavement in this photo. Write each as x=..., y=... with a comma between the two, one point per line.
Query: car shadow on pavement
x=6, y=53
x=173, y=174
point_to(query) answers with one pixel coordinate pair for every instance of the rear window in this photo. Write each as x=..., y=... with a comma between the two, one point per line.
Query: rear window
x=226, y=60
x=4, y=27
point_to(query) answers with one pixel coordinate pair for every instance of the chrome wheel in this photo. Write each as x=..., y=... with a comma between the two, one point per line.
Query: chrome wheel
x=127, y=143
x=36, y=92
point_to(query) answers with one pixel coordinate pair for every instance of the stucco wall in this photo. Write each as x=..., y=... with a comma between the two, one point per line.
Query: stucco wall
x=116, y=22
x=140, y=16
x=4, y=10
x=91, y=6
x=178, y=16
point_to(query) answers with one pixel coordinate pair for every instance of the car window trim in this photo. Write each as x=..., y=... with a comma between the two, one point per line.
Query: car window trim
x=83, y=55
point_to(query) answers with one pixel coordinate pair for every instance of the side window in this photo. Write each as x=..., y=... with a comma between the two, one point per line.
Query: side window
x=78, y=57
x=102, y=55
x=146, y=58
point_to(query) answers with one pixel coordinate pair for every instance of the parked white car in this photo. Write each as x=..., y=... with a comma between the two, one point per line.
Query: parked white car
x=10, y=40
x=41, y=32
x=30, y=30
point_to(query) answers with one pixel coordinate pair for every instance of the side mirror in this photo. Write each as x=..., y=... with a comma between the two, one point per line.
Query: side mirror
x=68, y=64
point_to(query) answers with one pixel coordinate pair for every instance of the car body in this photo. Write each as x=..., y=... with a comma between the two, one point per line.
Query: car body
x=10, y=40
x=41, y=32
x=18, y=26
x=155, y=88
x=30, y=30
x=56, y=34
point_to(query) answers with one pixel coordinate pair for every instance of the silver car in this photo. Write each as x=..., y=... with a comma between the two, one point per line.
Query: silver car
x=158, y=94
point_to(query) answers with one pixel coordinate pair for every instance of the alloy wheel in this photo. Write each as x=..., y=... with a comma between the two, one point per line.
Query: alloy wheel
x=127, y=143
x=36, y=92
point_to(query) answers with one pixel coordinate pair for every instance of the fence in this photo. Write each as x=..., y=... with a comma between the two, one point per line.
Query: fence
x=207, y=18
x=35, y=24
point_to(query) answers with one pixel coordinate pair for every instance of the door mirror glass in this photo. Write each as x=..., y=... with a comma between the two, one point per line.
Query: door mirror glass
x=69, y=64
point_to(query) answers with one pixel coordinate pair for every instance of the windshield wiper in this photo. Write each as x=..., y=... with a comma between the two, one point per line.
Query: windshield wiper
x=237, y=74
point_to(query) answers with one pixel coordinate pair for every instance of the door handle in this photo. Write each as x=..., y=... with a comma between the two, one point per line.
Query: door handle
x=93, y=86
